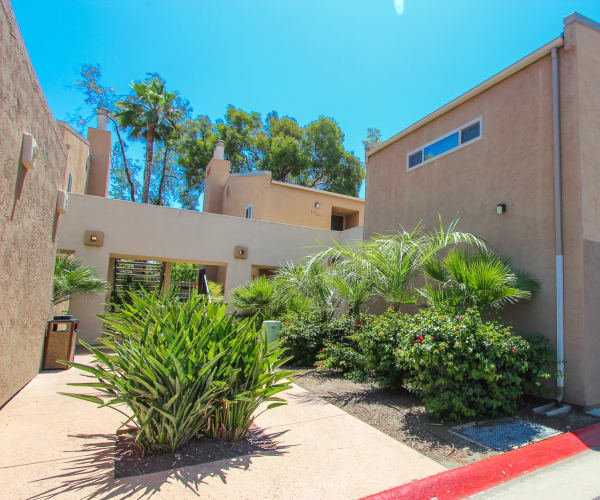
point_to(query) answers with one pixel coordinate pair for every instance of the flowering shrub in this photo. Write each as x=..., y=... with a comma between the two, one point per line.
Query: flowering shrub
x=303, y=335
x=464, y=367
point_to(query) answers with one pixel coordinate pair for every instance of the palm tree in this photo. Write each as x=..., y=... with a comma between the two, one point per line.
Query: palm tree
x=350, y=276
x=73, y=276
x=480, y=279
x=149, y=114
x=309, y=280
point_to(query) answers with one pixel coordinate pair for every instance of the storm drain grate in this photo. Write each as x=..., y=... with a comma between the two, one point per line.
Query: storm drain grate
x=505, y=434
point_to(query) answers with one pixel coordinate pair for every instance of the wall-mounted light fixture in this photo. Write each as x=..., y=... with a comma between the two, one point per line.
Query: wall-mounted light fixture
x=29, y=151
x=500, y=208
x=317, y=204
x=62, y=202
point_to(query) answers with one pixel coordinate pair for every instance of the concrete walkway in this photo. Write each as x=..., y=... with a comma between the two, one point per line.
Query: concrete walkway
x=54, y=446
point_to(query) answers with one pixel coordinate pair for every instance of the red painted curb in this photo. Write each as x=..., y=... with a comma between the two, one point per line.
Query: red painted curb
x=489, y=472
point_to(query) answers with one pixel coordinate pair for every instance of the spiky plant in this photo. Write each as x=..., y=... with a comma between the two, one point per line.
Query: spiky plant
x=180, y=369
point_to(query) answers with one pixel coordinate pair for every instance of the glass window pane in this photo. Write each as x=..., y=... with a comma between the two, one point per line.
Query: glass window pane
x=441, y=146
x=469, y=133
x=415, y=158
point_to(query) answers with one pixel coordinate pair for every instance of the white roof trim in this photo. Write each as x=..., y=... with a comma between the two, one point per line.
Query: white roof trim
x=498, y=77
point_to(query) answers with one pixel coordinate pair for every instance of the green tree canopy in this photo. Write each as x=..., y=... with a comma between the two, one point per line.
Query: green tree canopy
x=313, y=155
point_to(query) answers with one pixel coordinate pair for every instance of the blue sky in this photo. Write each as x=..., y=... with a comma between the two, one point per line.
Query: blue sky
x=356, y=61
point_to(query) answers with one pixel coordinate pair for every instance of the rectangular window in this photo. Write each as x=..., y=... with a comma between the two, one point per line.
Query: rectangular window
x=469, y=133
x=440, y=147
x=445, y=144
x=415, y=158
x=249, y=212
x=69, y=183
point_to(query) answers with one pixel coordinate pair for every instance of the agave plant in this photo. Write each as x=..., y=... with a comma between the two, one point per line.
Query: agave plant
x=482, y=279
x=182, y=369
x=73, y=276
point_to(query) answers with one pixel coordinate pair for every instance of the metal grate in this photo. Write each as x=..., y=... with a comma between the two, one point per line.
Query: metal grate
x=131, y=275
x=504, y=434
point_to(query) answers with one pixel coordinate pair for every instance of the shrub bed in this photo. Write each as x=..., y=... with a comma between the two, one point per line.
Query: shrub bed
x=183, y=369
x=460, y=365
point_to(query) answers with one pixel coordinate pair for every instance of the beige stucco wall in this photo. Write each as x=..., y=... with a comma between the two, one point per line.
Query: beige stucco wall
x=99, y=171
x=77, y=158
x=513, y=164
x=287, y=203
x=580, y=100
x=168, y=234
x=27, y=211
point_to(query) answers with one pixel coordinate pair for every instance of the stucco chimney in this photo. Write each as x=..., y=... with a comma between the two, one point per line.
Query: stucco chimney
x=219, y=153
x=102, y=118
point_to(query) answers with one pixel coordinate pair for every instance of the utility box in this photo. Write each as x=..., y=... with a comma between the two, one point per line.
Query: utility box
x=272, y=329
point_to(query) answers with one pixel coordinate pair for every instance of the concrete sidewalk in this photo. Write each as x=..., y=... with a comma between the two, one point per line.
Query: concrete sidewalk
x=51, y=445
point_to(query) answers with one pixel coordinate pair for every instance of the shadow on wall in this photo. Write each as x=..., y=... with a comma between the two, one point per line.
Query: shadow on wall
x=20, y=181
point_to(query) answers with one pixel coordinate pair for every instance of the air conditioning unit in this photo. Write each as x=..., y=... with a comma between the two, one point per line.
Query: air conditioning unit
x=62, y=202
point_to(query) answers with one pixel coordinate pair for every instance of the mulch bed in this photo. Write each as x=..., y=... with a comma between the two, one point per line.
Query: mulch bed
x=401, y=415
x=130, y=461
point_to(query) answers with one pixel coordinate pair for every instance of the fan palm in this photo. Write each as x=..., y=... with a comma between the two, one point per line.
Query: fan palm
x=150, y=114
x=482, y=279
x=73, y=276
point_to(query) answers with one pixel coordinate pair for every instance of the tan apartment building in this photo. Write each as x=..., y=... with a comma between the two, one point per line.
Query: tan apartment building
x=255, y=195
x=517, y=158
x=32, y=164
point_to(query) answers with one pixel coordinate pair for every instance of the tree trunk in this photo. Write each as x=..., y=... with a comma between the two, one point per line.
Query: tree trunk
x=162, y=175
x=125, y=164
x=148, y=167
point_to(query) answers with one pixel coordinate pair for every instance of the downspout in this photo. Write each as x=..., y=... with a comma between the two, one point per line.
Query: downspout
x=560, y=349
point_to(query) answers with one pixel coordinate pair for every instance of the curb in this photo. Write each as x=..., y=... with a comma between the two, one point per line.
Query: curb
x=483, y=475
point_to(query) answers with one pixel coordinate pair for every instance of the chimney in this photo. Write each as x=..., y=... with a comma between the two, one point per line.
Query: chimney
x=219, y=153
x=102, y=118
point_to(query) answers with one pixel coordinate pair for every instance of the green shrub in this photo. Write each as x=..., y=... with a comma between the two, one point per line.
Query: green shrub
x=463, y=367
x=182, y=369
x=303, y=335
x=377, y=341
x=342, y=357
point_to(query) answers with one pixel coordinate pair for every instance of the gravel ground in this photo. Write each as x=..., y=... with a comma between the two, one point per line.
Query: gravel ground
x=400, y=415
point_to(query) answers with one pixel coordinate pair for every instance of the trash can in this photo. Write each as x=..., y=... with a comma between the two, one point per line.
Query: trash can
x=272, y=329
x=60, y=342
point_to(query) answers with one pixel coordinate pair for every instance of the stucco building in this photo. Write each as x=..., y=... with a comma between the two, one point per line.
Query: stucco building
x=517, y=158
x=29, y=189
x=255, y=195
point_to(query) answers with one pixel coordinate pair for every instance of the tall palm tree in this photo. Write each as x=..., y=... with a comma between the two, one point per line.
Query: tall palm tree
x=149, y=114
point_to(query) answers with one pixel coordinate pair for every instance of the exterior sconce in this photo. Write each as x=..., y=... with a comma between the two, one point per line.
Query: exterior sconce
x=29, y=151
x=93, y=238
x=500, y=208
x=62, y=202
x=240, y=252
x=317, y=204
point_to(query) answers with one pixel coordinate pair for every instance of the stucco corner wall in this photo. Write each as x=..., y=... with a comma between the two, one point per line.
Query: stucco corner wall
x=27, y=211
